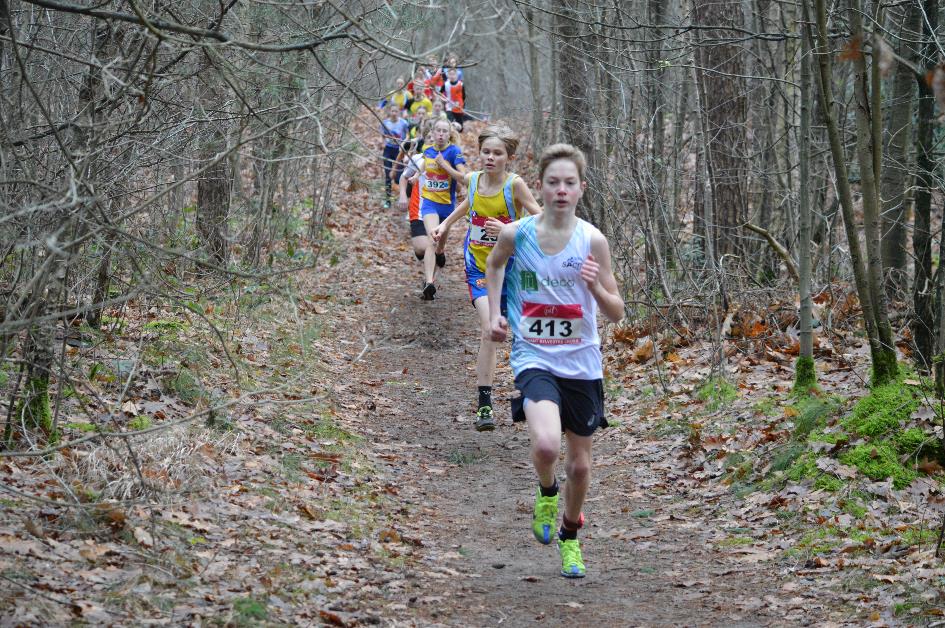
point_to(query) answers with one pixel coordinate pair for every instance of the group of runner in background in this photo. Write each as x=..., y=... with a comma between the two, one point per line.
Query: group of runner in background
x=548, y=296
x=436, y=92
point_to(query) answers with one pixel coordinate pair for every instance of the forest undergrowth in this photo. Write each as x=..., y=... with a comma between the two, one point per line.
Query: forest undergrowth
x=220, y=463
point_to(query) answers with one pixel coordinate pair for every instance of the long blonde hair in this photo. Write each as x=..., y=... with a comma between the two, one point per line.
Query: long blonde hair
x=454, y=135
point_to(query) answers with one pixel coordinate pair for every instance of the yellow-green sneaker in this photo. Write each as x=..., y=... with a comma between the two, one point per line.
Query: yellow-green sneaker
x=484, y=420
x=545, y=517
x=572, y=564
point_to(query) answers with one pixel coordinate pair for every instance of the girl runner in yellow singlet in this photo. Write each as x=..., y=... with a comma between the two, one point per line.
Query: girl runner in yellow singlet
x=496, y=197
x=443, y=165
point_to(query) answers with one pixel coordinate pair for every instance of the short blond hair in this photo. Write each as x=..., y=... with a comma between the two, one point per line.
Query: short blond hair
x=562, y=151
x=502, y=133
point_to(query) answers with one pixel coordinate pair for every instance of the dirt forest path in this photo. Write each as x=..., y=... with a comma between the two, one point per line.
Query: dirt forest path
x=648, y=544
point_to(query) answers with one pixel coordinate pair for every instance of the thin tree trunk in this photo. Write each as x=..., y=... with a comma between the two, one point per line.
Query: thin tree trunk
x=805, y=376
x=534, y=75
x=577, y=99
x=725, y=103
x=895, y=175
x=869, y=154
x=923, y=325
x=213, y=204
x=828, y=106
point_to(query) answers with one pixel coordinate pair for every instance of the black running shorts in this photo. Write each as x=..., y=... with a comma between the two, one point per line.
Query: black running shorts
x=417, y=229
x=580, y=401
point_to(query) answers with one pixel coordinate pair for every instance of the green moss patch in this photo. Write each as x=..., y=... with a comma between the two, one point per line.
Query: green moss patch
x=879, y=461
x=716, y=392
x=812, y=413
x=883, y=410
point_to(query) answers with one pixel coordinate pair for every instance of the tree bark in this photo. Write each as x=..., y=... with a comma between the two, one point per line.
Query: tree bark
x=534, y=77
x=882, y=368
x=805, y=374
x=869, y=154
x=726, y=115
x=896, y=173
x=577, y=99
x=923, y=325
x=213, y=203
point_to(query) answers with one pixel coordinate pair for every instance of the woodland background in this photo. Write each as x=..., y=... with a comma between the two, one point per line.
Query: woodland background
x=768, y=173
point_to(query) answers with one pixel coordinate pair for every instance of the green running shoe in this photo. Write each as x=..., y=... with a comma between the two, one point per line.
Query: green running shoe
x=572, y=564
x=545, y=518
x=484, y=420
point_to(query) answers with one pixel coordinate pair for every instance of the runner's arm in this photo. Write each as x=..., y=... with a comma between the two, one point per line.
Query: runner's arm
x=456, y=173
x=524, y=197
x=495, y=275
x=598, y=274
x=402, y=200
x=457, y=213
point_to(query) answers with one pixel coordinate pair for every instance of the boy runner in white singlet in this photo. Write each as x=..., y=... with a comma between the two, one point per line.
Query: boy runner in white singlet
x=561, y=276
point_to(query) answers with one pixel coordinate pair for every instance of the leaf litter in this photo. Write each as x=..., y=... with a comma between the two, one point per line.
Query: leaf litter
x=305, y=507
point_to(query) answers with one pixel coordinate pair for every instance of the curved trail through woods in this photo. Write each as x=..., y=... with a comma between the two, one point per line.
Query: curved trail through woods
x=467, y=496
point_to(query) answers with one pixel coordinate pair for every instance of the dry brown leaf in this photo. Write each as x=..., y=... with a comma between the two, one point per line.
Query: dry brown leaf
x=644, y=352
x=936, y=80
x=852, y=51
x=93, y=551
x=389, y=536
x=331, y=618
x=930, y=467
x=143, y=537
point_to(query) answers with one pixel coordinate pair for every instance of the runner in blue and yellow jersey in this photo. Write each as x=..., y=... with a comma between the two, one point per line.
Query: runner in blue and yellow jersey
x=496, y=197
x=443, y=166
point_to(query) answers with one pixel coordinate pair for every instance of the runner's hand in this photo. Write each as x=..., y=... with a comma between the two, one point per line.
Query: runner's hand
x=590, y=271
x=440, y=160
x=500, y=327
x=437, y=233
x=493, y=227
x=402, y=204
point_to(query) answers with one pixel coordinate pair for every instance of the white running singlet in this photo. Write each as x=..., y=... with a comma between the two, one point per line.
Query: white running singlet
x=552, y=314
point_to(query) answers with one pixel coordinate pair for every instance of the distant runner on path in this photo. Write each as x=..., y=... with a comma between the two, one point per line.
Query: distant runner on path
x=443, y=166
x=394, y=131
x=411, y=182
x=496, y=197
x=562, y=274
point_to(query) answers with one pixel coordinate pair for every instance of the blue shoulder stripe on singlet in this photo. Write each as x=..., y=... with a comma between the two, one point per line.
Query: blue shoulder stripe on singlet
x=506, y=193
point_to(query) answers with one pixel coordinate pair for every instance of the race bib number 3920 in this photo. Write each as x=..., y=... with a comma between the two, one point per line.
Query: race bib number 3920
x=436, y=184
x=557, y=324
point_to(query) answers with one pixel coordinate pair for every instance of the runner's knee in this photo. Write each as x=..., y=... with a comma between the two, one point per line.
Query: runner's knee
x=545, y=450
x=578, y=470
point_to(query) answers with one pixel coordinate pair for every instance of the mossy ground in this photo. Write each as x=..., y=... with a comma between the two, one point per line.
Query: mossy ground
x=716, y=392
x=35, y=411
x=805, y=376
x=874, y=437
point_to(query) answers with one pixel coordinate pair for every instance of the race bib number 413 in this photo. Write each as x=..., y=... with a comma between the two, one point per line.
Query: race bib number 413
x=545, y=324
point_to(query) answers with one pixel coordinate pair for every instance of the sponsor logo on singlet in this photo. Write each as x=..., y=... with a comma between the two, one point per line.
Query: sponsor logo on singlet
x=572, y=262
x=531, y=281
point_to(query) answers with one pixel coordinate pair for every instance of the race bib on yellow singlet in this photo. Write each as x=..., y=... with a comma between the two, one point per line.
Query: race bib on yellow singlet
x=477, y=230
x=437, y=182
x=552, y=324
